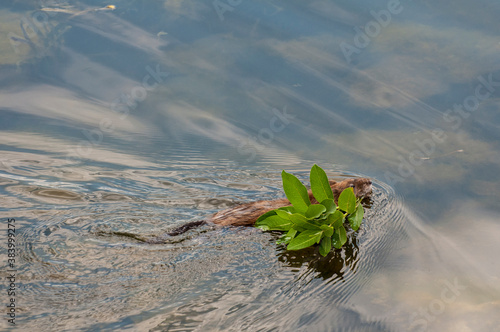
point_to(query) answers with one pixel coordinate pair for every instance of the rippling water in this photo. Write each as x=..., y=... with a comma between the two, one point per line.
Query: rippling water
x=75, y=253
x=118, y=125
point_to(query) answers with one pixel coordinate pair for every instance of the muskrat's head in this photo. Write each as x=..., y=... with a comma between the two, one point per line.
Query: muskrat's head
x=362, y=187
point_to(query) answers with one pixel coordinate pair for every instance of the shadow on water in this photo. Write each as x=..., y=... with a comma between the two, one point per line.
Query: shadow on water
x=333, y=266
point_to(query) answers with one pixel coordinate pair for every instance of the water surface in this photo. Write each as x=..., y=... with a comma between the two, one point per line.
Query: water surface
x=135, y=120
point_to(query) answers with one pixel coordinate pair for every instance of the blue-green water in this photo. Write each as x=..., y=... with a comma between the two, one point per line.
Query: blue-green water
x=139, y=119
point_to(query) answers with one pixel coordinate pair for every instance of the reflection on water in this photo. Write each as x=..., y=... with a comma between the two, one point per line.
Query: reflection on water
x=118, y=125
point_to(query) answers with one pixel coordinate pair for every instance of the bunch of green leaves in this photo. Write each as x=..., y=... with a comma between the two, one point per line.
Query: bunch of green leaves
x=308, y=224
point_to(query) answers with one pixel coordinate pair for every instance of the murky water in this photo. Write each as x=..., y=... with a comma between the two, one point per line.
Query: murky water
x=118, y=125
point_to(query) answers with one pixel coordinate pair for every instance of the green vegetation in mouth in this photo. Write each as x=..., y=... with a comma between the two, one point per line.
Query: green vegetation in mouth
x=309, y=224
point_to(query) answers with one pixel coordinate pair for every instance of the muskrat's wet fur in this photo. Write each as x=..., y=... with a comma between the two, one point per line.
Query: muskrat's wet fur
x=246, y=214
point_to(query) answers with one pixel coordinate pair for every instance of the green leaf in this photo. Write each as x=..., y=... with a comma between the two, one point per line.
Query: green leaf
x=329, y=204
x=285, y=239
x=308, y=224
x=339, y=238
x=325, y=246
x=300, y=223
x=305, y=239
x=291, y=233
x=323, y=220
x=295, y=192
x=314, y=211
x=336, y=220
x=347, y=201
x=265, y=215
x=327, y=229
x=319, y=184
x=356, y=218
x=283, y=214
x=290, y=209
x=274, y=223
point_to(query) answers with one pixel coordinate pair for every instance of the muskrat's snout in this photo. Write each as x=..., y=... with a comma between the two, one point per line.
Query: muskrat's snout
x=362, y=187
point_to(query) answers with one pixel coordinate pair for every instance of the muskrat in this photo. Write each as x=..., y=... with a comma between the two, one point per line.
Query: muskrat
x=246, y=214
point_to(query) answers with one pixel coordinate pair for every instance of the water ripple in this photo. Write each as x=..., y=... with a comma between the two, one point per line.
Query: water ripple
x=86, y=257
